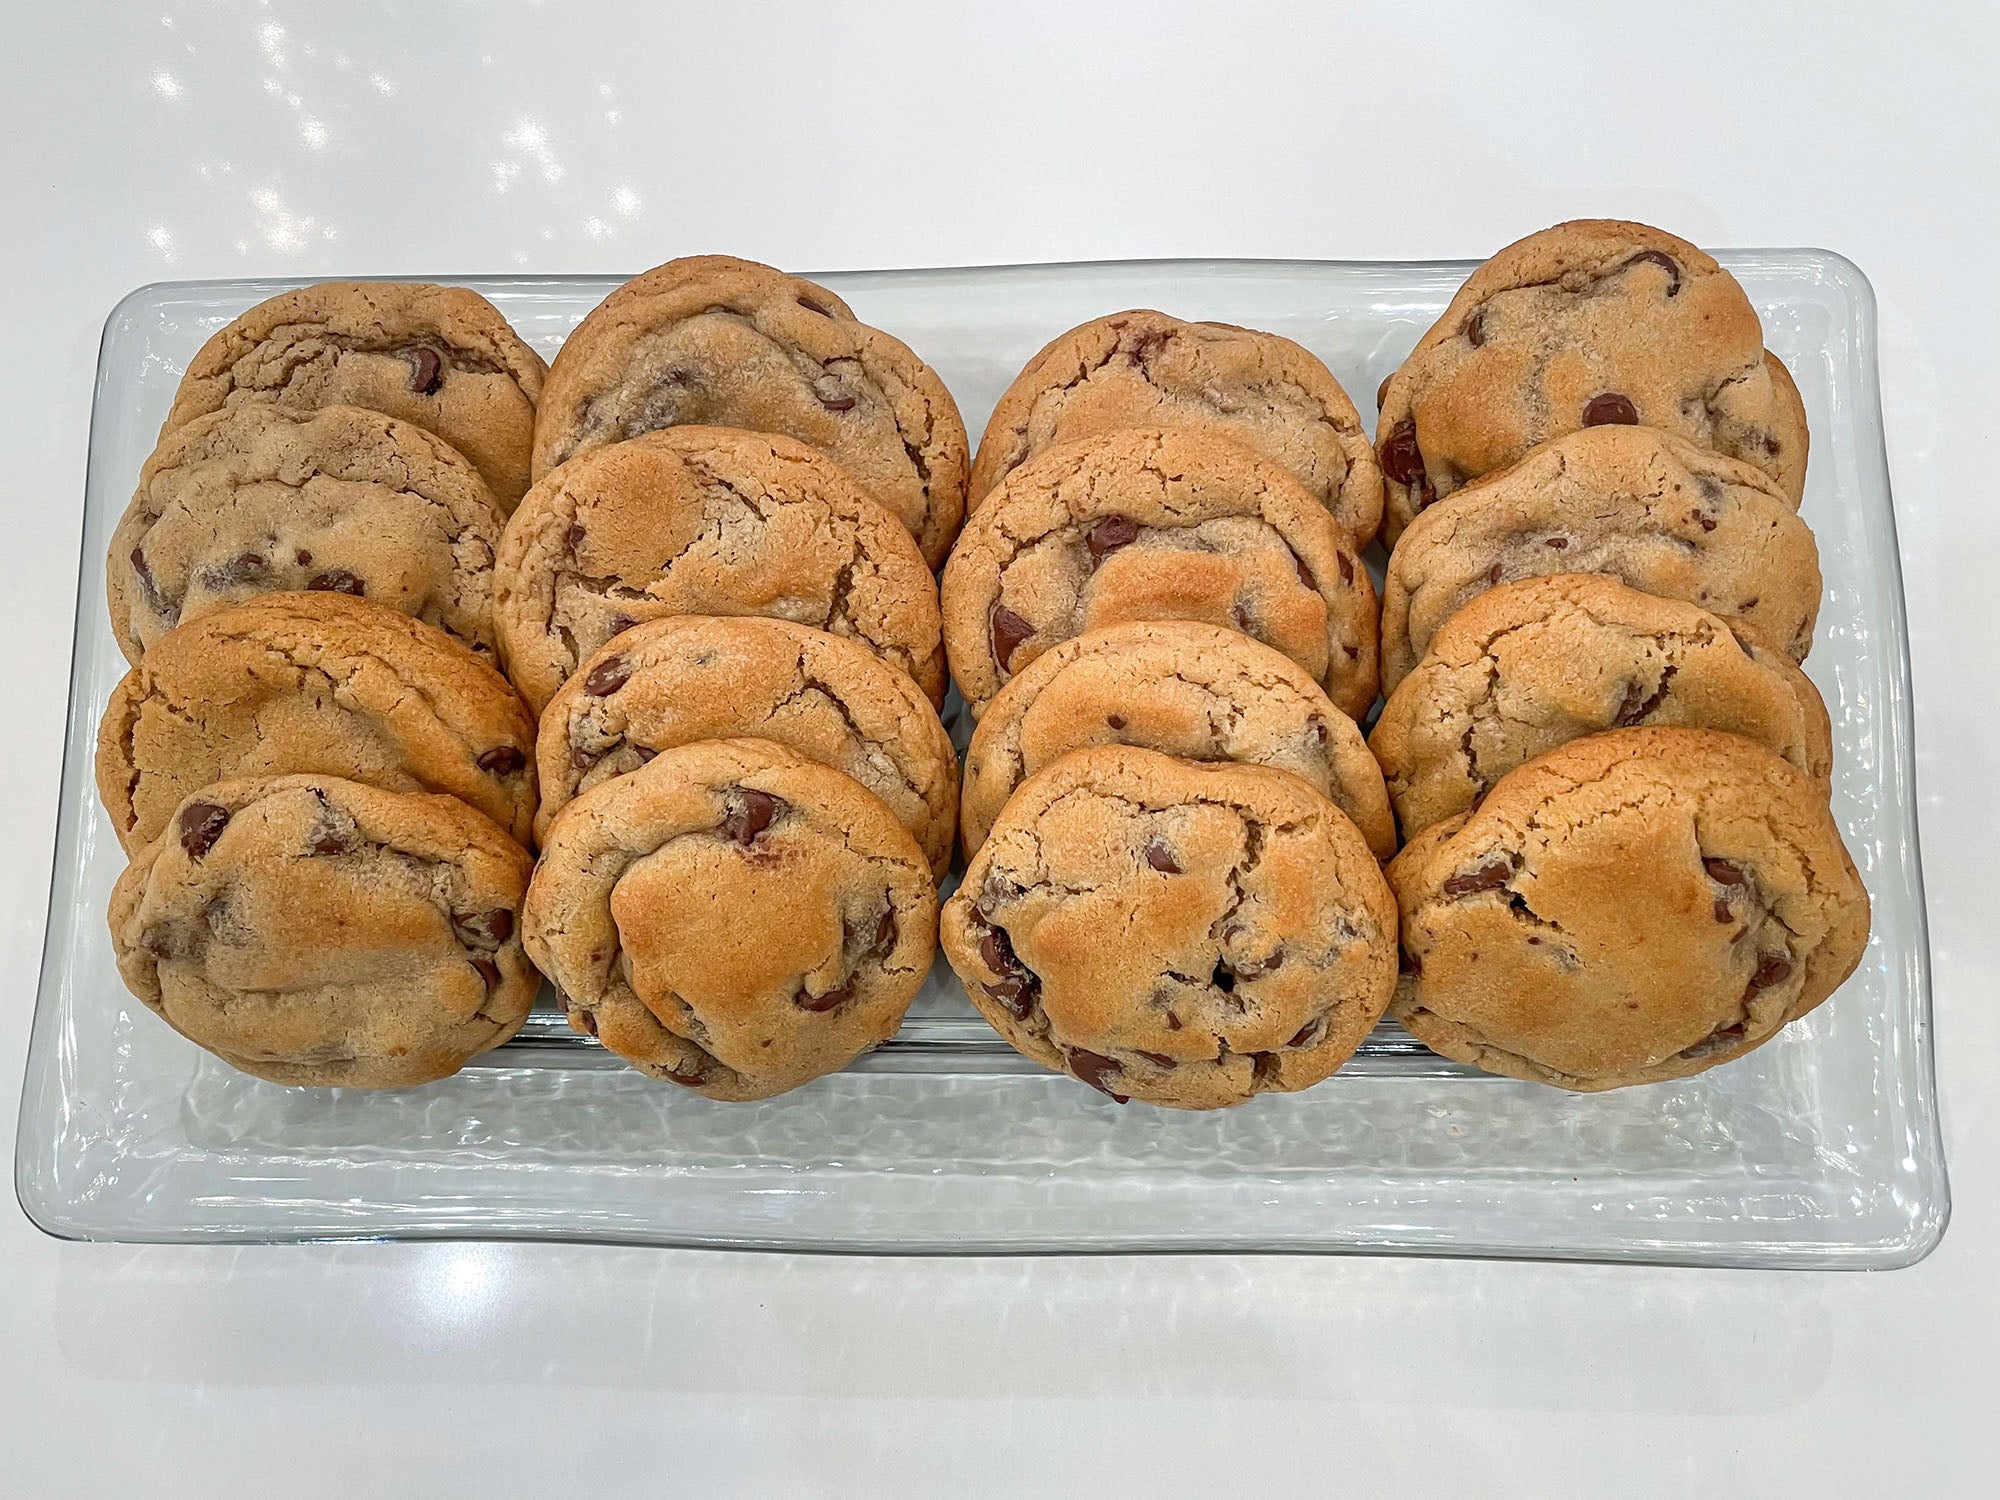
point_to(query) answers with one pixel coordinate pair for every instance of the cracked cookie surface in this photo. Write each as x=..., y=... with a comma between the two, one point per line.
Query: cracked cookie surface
x=1185, y=934
x=1156, y=524
x=1645, y=507
x=260, y=499
x=733, y=917
x=1637, y=905
x=1592, y=322
x=706, y=521
x=1146, y=369
x=440, y=357
x=312, y=684
x=719, y=342
x=1195, y=691
x=311, y=930
x=702, y=677
x=1531, y=665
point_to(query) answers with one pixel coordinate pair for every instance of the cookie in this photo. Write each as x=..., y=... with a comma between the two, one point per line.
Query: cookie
x=1590, y=323
x=733, y=917
x=702, y=677
x=261, y=499
x=317, y=684
x=1184, y=934
x=1145, y=369
x=1644, y=507
x=1196, y=691
x=707, y=521
x=1638, y=905
x=311, y=930
x=719, y=342
x=1156, y=524
x=440, y=357
x=1532, y=665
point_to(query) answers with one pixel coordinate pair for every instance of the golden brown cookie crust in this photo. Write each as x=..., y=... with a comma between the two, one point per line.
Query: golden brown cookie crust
x=1143, y=368
x=703, y=677
x=715, y=341
x=440, y=357
x=1156, y=524
x=1184, y=934
x=260, y=498
x=310, y=930
x=1638, y=905
x=733, y=917
x=1531, y=665
x=1196, y=691
x=1645, y=507
x=706, y=521
x=1594, y=321
x=312, y=684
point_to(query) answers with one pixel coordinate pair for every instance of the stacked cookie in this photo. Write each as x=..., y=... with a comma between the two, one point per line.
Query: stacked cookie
x=1609, y=771
x=718, y=597
x=323, y=782
x=1158, y=614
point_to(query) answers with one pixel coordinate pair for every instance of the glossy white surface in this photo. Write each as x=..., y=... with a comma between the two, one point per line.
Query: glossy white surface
x=193, y=139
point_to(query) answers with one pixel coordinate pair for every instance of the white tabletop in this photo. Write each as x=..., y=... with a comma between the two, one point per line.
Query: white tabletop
x=196, y=139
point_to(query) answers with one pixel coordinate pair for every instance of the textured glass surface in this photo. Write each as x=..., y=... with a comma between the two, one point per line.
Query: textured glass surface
x=1821, y=1149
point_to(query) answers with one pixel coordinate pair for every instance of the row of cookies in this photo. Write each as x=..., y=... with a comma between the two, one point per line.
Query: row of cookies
x=1610, y=773
x=324, y=784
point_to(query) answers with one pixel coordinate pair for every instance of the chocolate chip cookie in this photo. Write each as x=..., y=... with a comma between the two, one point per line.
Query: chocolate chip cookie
x=702, y=677
x=1645, y=507
x=720, y=342
x=260, y=499
x=733, y=917
x=707, y=521
x=1586, y=324
x=311, y=930
x=1638, y=905
x=312, y=684
x=1196, y=691
x=1534, y=664
x=1156, y=524
x=1145, y=369
x=440, y=357
x=1185, y=934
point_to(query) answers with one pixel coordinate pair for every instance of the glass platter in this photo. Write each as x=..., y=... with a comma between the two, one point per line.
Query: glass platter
x=1820, y=1149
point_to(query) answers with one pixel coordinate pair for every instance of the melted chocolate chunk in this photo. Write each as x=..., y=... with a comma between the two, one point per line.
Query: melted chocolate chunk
x=1306, y=573
x=1610, y=410
x=483, y=929
x=1773, y=970
x=833, y=394
x=488, y=971
x=1402, y=460
x=1108, y=535
x=1475, y=328
x=1638, y=706
x=833, y=999
x=607, y=677
x=337, y=581
x=201, y=825
x=1487, y=877
x=1157, y=1059
x=1115, y=721
x=502, y=760
x=1094, y=1069
x=1160, y=855
x=750, y=813
x=1665, y=261
x=426, y=370
x=1008, y=630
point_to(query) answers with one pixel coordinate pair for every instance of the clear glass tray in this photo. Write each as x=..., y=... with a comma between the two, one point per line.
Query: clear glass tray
x=1821, y=1149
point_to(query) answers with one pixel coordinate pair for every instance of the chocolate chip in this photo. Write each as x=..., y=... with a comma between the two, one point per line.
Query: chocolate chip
x=303, y=558
x=332, y=843
x=1173, y=1022
x=1718, y=1040
x=1665, y=261
x=1609, y=410
x=1161, y=857
x=502, y=760
x=811, y=306
x=1109, y=534
x=1639, y=706
x=1493, y=575
x=833, y=394
x=833, y=999
x=750, y=813
x=1487, y=877
x=996, y=951
x=588, y=1020
x=1157, y=1059
x=1093, y=1069
x=1017, y=994
x=1309, y=1035
x=1016, y=986
x=488, y=971
x=885, y=934
x=607, y=677
x=1115, y=721
x=1008, y=631
x=582, y=757
x=1773, y=970
x=1722, y=912
x=574, y=536
x=426, y=370
x=201, y=825
x=1722, y=872
x=1346, y=568
x=1402, y=459
x=1706, y=523
x=689, y=1074
x=483, y=929
x=245, y=567
x=337, y=581
x=1556, y=543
